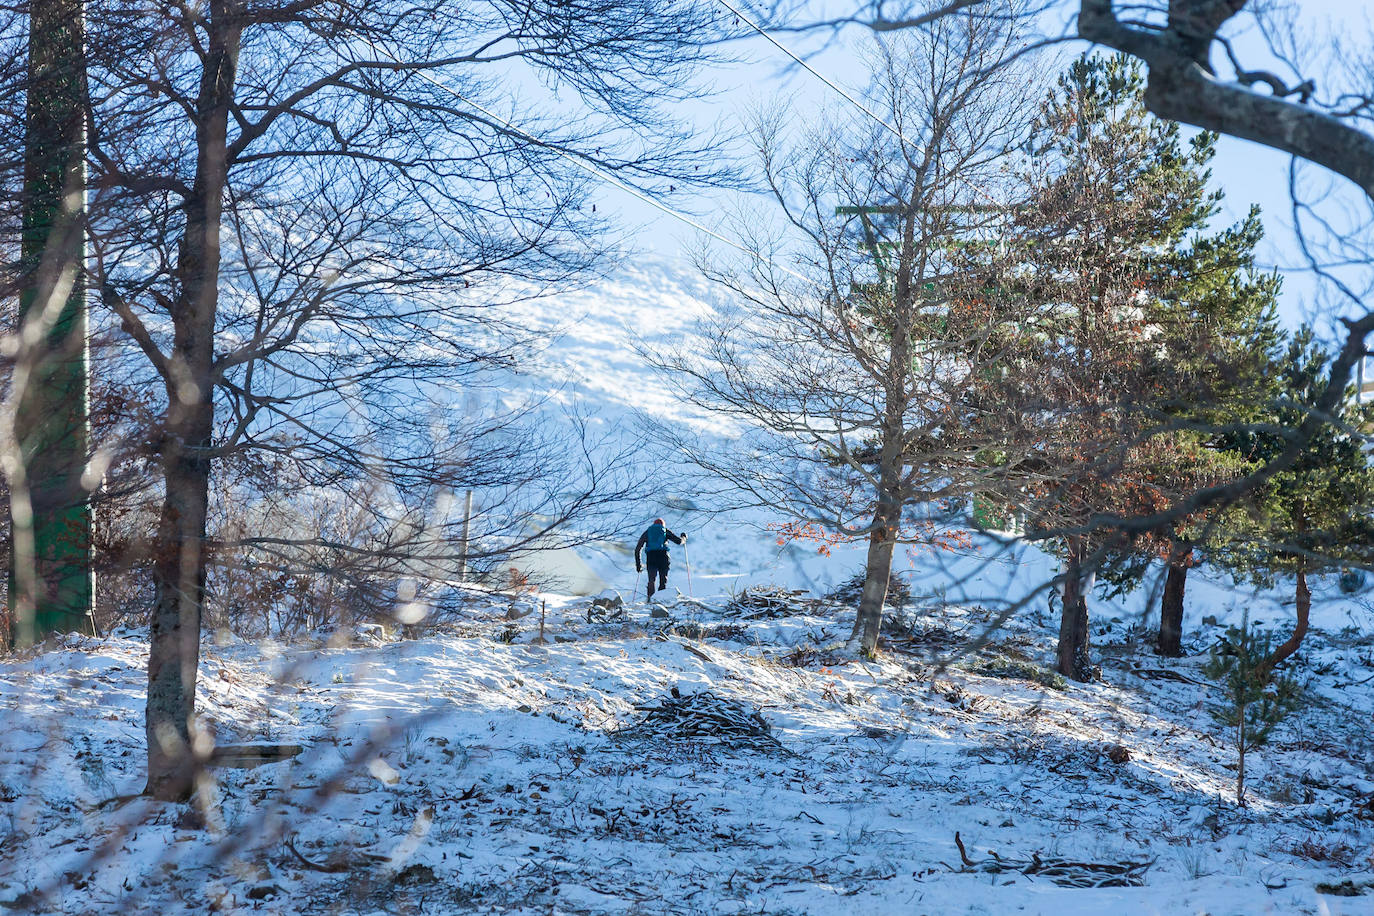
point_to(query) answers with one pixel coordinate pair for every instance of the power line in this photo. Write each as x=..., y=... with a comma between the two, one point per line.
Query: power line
x=581, y=163
x=835, y=86
x=813, y=71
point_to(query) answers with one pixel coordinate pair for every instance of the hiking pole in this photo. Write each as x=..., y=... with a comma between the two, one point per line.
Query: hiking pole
x=686, y=558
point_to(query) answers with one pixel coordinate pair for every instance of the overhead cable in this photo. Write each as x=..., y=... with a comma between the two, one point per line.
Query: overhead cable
x=835, y=86
x=581, y=163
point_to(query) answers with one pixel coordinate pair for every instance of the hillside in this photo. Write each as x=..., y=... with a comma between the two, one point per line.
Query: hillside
x=729, y=757
x=724, y=759
x=594, y=361
x=594, y=364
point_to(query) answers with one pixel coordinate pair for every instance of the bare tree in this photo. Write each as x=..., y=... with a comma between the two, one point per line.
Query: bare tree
x=542, y=482
x=294, y=205
x=857, y=374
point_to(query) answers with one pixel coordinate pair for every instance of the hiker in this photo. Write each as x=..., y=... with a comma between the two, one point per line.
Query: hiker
x=656, y=538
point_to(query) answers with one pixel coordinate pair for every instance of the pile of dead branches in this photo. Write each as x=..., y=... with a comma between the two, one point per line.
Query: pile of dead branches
x=701, y=718
x=1064, y=872
x=807, y=656
x=849, y=592
x=910, y=634
x=759, y=601
x=689, y=629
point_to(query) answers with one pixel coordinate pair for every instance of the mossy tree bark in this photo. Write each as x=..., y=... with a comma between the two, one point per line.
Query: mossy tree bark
x=50, y=558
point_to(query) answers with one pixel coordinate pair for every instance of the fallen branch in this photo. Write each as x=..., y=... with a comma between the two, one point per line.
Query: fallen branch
x=1164, y=674
x=963, y=853
x=1064, y=872
x=687, y=599
x=334, y=868
x=329, y=868
x=1340, y=686
x=697, y=652
x=242, y=756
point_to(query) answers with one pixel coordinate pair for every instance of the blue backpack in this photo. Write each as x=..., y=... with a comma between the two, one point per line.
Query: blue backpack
x=656, y=538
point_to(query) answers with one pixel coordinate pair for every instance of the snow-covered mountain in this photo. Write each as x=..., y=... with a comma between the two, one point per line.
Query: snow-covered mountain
x=595, y=365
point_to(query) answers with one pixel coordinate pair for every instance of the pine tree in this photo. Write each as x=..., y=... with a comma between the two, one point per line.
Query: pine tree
x=1233, y=342
x=1153, y=328
x=1255, y=700
x=1314, y=516
x=1237, y=333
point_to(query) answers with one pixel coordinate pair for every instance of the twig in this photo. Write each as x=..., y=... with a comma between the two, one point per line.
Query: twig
x=697, y=652
x=315, y=866
x=963, y=854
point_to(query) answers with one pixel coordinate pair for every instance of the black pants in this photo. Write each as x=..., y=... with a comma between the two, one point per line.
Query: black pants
x=657, y=563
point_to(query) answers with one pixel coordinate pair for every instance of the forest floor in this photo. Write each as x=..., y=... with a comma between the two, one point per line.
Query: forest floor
x=468, y=768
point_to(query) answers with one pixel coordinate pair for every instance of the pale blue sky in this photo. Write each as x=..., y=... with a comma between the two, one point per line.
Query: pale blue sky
x=1246, y=172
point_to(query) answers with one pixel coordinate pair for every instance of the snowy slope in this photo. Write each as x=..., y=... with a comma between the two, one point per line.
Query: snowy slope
x=475, y=771
x=466, y=768
x=594, y=362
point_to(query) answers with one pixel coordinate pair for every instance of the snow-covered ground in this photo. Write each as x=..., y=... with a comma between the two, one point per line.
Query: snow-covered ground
x=471, y=769
x=463, y=767
x=595, y=364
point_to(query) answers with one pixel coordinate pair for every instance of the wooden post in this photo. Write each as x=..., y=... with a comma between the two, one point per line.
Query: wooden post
x=463, y=547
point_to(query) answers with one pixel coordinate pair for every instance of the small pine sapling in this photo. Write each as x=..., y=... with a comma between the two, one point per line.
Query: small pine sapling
x=1256, y=698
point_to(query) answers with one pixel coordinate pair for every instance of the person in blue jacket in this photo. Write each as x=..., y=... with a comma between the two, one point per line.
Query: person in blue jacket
x=654, y=543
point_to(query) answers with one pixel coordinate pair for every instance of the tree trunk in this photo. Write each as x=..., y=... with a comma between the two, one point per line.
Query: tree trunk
x=1171, y=603
x=1073, y=658
x=877, y=572
x=50, y=557
x=1240, y=766
x=897, y=395
x=179, y=565
x=1303, y=600
x=887, y=519
x=174, y=651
